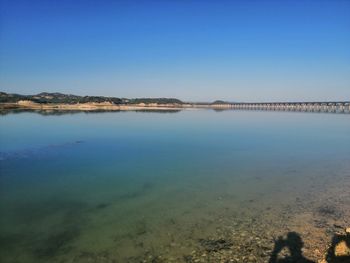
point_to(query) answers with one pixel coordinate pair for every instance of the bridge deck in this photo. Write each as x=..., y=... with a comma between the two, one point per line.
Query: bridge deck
x=336, y=107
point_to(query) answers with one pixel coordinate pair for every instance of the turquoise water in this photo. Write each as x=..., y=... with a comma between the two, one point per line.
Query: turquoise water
x=150, y=186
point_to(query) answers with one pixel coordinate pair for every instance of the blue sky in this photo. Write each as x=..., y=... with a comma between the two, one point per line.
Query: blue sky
x=193, y=50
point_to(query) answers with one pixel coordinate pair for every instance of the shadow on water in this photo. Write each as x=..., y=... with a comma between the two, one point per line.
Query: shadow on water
x=343, y=243
x=294, y=244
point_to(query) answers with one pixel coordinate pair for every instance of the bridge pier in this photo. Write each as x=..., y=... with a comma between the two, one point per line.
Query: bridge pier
x=333, y=107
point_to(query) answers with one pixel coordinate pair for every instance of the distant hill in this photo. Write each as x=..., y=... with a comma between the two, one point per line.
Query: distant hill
x=59, y=98
x=220, y=102
x=156, y=100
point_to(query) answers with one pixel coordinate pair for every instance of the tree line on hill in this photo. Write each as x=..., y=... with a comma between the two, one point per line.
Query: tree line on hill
x=59, y=98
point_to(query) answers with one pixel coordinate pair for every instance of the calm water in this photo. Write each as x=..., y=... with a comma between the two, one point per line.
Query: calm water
x=164, y=187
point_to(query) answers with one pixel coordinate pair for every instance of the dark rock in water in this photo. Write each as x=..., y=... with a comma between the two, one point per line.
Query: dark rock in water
x=320, y=223
x=93, y=257
x=147, y=185
x=36, y=212
x=9, y=241
x=102, y=206
x=140, y=228
x=215, y=245
x=188, y=259
x=58, y=242
x=327, y=210
x=337, y=226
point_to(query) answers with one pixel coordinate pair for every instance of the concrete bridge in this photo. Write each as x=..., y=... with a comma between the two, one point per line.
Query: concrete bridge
x=332, y=107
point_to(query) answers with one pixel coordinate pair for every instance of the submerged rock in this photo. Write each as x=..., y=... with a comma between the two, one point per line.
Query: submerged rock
x=329, y=211
x=215, y=245
x=57, y=243
x=102, y=205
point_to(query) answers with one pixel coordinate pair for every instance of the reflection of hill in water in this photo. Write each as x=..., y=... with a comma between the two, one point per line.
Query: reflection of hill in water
x=66, y=112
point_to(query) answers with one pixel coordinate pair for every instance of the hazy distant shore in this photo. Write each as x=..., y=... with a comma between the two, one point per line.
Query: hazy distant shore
x=97, y=106
x=67, y=102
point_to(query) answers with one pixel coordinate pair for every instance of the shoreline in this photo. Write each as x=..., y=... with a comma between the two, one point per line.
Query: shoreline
x=109, y=106
x=88, y=106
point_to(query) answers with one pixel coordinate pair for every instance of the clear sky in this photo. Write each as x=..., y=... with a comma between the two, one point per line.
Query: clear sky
x=193, y=50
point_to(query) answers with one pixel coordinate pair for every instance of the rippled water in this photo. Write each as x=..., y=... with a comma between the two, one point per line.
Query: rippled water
x=188, y=186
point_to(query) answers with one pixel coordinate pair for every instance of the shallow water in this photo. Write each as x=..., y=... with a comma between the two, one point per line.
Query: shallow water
x=188, y=186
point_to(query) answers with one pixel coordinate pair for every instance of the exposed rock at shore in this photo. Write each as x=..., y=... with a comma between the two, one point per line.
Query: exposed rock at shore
x=342, y=249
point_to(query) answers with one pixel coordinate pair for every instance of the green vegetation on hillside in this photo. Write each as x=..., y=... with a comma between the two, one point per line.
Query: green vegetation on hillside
x=59, y=98
x=155, y=100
